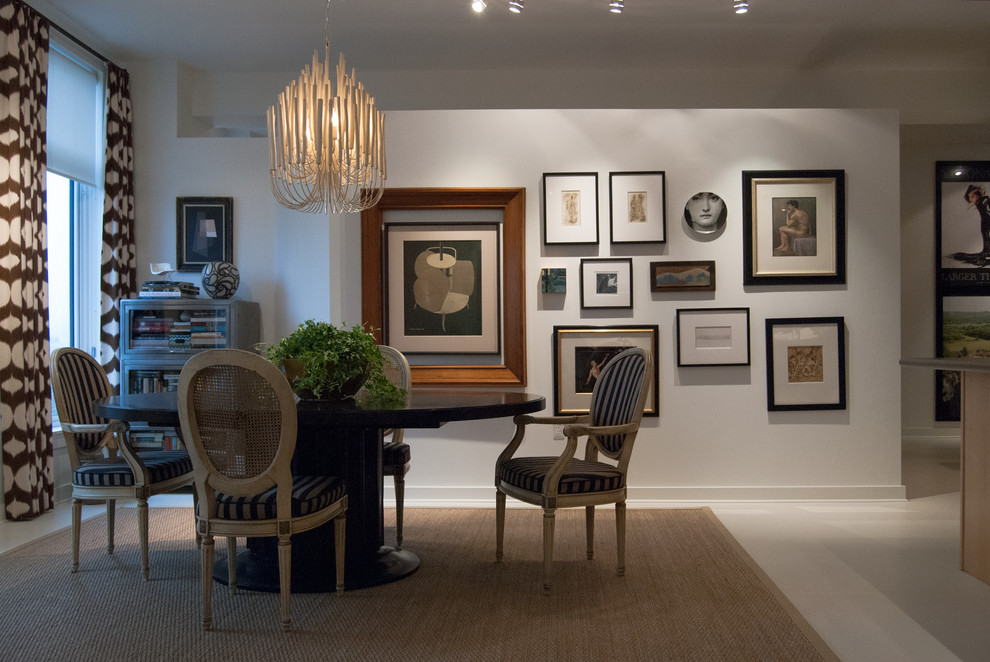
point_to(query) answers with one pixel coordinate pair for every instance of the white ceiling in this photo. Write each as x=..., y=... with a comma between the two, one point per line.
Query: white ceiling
x=415, y=35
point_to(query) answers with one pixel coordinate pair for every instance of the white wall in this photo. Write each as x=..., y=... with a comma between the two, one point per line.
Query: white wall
x=714, y=437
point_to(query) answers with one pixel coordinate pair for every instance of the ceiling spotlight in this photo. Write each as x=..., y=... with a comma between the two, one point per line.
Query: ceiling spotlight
x=616, y=6
x=478, y=5
x=516, y=6
x=741, y=6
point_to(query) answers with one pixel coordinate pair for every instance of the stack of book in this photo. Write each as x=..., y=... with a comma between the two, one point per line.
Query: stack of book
x=168, y=289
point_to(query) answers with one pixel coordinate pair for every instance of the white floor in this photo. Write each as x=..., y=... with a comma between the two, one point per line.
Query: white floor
x=878, y=580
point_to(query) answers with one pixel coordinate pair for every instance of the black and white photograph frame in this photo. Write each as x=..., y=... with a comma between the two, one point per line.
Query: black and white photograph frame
x=580, y=352
x=794, y=227
x=442, y=288
x=204, y=232
x=638, y=207
x=606, y=282
x=806, y=363
x=570, y=208
x=713, y=337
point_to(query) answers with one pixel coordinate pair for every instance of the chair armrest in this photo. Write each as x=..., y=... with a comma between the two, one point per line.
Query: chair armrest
x=528, y=419
x=121, y=433
x=584, y=430
x=86, y=428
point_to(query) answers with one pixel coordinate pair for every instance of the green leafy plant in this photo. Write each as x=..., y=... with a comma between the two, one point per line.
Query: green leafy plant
x=330, y=362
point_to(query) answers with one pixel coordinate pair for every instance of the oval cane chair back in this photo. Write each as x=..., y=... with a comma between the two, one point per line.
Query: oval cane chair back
x=396, y=454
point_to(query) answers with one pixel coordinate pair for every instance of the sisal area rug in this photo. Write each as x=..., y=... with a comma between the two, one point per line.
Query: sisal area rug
x=689, y=593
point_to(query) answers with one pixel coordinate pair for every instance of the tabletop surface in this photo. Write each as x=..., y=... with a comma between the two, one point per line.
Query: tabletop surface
x=973, y=363
x=424, y=408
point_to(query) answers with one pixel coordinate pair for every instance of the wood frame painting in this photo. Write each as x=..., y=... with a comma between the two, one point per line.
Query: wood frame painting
x=579, y=352
x=509, y=367
x=682, y=276
x=637, y=207
x=806, y=363
x=204, y=232
x=606, y=282
x=570, y=208
x=794, y=227
x=713, y=337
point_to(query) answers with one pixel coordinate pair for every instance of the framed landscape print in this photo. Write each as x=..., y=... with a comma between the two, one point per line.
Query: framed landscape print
x=682, y=276
x=794, y=227
x=442, y=289
x=806, y=363
x=204, y=232
x=713, y=336
x=606, y=282
x=570, y=208
x=579, y=354
x=637, y=205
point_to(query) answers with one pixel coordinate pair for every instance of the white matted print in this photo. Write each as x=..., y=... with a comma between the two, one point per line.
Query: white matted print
x=806, y=364
x=606, y=283
x=570, y=208
x=638, y=203
x=713, y=336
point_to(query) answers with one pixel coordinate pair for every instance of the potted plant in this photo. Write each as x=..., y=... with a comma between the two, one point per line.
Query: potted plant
x=327, y=362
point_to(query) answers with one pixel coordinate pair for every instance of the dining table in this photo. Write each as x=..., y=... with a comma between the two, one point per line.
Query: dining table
x=342, y=438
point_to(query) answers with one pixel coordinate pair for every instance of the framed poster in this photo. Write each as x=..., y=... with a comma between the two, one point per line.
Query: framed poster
x=570, y=208
x=682, y=276
x=204, y=232
x=713, y=336
x=606, y=282
x=579, y=354
x=806, y=363
x=638, y=207
x=794, y=227
x=442, y=288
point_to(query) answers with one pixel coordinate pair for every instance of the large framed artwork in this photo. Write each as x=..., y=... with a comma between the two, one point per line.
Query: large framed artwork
x=638, y=207
x=806, y=363
x=794, y=227
x=712, y=336
x=606, y=282
x=579, y=354
x=570, y=208
x=962, y=272
x=424, y=225
x=442, y=288
x=204, y=232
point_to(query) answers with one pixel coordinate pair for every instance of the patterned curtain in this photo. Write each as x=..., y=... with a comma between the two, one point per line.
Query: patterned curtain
x=25, y=396
x=118, y=266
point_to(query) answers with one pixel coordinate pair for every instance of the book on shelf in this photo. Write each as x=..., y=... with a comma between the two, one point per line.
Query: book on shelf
x=167, y=289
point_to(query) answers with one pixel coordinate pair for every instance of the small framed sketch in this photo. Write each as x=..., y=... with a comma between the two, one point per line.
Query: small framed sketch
x=638, y=203
x=606, y=282
x=570, y=208
x=204, y=232
x=794, y=227
x=806, y=363
x=713, y=336
x=674, y=276
x=579, y=354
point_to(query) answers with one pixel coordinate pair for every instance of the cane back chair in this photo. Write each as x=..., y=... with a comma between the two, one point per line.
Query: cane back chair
x=395, y=453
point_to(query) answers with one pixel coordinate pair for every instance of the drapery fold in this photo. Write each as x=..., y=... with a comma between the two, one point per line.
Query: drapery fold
x=25, y=395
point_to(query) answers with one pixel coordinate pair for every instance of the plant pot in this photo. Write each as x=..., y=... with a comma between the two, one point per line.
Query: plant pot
x=294, y=368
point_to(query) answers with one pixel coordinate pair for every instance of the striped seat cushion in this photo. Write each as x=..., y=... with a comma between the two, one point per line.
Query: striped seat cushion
x=309, y=495
x=161, y=465
x=580, y=477
x=395, y=454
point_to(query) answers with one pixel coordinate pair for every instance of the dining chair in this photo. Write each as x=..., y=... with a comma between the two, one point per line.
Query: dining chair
x=617, y=401
x=396, y=454
x=105, y=467
x=238, y=418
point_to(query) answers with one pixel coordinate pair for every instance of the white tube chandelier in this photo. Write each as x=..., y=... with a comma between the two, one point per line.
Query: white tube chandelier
x=326, y=142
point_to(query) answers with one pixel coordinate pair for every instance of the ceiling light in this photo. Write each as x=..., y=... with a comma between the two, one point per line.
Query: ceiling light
x=327, y=143
x=478, y=5
x=741, y=6
x=616, y=6
x=516, y=6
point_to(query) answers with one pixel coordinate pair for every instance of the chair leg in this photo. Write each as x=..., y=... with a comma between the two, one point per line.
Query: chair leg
x=339, y=528
x=548, y=522
x=499, y=523
x=76, y=524
x=111, y=511
x=232, y=564
x=206, y=572
x=142, y=506
x=285, y=578
x=589, y=525
x=199, y=538
x=620, y=535
x=400, y=497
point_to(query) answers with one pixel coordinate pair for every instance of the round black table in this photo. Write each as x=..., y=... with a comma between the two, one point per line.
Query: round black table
x=339, y=438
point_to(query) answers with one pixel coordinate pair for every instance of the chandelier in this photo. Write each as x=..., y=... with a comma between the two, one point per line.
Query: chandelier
x=326, y=141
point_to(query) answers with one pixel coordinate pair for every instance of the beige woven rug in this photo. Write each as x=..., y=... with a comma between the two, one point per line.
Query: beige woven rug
x=689, y=593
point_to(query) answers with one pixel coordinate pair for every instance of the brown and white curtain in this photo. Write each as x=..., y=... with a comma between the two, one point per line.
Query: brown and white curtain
x=25, y=395
x=118, y=269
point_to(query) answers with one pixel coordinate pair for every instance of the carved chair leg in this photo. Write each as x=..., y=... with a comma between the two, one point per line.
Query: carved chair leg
x=142, y=506
x=111, y=511
x=76, y=524
x=499, y=523
x=285, y=578
x=589, y=525
x=232, y=564
x=339, y=528
x=206, y=579
x=548, y=522
x=400, y=497
x=620, y=535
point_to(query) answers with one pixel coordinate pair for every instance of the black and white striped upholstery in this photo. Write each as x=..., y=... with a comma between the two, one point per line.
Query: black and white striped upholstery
x=616, y=396
x=309, y=494
x=160, y=465
x=528, y=473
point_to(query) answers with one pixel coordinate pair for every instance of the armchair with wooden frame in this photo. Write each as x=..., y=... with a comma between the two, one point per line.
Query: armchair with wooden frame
x=395, y=453
x=617, y=402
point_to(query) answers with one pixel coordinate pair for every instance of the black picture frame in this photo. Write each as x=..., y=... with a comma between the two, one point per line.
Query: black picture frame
x=806, y=363
x=570, y=208
x=682, y=276
x=606, y=282
x=637, y=207
x=717, y=337
x=203, y=231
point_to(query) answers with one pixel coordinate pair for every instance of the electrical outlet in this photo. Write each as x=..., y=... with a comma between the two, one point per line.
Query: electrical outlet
x=558, y=431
